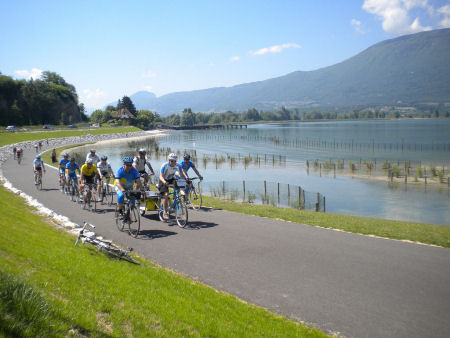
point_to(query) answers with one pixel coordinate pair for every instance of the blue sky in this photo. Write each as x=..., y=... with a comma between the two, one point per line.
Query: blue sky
x=109, y=49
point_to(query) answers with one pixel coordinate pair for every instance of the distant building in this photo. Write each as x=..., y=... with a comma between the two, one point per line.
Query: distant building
x=124, y=113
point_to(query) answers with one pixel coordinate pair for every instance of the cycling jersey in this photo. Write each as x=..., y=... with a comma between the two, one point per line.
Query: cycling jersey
x=139, y=163
x=62, y=165
x=95, y=158
x=186, y=165
x=169, y=172
x=105, y=168
x=86, y=172
x=126, y=179
x=38, y=163
x=70, y=170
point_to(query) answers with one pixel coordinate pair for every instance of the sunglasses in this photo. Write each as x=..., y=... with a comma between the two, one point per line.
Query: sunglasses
x=172, y=161
x=128, y=164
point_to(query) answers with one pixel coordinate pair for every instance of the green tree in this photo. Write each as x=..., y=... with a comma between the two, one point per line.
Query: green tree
x=128, y=104
x=144, y=119
x=187, y=117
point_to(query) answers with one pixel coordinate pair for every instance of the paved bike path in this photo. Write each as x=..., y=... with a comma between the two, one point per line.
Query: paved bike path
x=356, y=285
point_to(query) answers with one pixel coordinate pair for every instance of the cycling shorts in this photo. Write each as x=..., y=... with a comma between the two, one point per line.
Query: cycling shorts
x=62, y=171
x=71, y=175
x=121, y=196
x=38, y=168
x=89, y=179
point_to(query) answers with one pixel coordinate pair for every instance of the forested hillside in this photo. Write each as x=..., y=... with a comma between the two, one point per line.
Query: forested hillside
x=48, y=100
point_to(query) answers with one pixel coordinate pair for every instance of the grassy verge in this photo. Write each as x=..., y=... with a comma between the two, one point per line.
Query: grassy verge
x=9, y=138
x=418, y=232
x=83, y=292
x=46, y=156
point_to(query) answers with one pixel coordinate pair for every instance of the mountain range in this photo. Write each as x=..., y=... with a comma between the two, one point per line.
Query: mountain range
x=411, y=69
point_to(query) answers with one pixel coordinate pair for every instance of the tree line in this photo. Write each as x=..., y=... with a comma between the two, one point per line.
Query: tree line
x=47, y=100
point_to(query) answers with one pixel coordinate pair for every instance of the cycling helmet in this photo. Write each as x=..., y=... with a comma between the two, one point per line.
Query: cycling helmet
x=72, y=159
x=65, y=155
x=186, y=157
x=38, y=156
x=127, y=159
x=142, y=151
x=104, y=157
x=172, y=157
x=89, y=161
x=92, y=150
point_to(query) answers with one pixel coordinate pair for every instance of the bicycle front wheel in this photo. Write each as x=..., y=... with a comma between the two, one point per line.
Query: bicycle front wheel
x=119, y=219
x=116, y=252
x=181, y=213
x=134, y=221
x=195, y=198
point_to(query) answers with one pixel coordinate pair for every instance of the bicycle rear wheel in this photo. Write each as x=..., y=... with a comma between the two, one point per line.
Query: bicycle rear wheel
x=120, y=254
x=195, y=198
x=181, y=213
x=134, y=221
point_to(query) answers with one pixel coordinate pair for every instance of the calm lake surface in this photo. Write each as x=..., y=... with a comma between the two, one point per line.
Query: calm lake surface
x=283, y=149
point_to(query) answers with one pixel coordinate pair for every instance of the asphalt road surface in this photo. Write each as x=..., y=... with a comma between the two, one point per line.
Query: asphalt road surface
x=354, y=285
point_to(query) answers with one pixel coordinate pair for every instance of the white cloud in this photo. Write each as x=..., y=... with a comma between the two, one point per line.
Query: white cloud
x=394, y=14
x=93, y=94
x=274, y=49
x=148, y=74
x=148, y=88
x=444, y=11
x=235, y=58
x=357, y=25
x=26, y=74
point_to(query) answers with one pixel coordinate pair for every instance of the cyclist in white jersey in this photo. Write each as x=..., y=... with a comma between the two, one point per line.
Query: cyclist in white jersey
x=95, y=159
x=139, y=163
x=105, y=170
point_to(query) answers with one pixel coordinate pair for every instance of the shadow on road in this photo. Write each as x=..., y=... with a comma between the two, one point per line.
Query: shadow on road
x=153, y=234
x=49, y=189
x=196, y=225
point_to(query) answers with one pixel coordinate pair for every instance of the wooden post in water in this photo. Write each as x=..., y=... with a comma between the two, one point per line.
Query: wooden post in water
x=317, y=202
x=223, y=188
x=406, y=178
x=243, y=188
x=289, y=195
x=303, y=199
x=299, y=196
x=278, y=191
x=323, y=202
x=265, y=190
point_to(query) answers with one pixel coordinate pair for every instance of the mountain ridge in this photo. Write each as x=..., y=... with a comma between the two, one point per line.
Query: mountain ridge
x=410, y=69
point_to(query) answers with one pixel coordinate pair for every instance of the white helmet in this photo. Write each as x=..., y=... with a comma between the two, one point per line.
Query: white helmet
x=89, y=161
x=172, y=157
x=142, y=151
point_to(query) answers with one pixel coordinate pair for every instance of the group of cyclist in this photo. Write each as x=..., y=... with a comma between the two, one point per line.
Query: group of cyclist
x=95, y=169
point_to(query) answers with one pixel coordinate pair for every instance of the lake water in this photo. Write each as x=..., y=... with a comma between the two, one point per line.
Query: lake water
x=279, y=152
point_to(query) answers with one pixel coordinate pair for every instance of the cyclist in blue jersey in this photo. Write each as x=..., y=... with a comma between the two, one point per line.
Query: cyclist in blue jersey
x=62, y=170
x=187, y=164
x=126, y=176
x=38, y=166
x=71, y=170
x=169, y=172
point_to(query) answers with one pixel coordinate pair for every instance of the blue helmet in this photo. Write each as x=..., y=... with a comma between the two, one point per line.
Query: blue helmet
x=127, y=159
x=38, y=156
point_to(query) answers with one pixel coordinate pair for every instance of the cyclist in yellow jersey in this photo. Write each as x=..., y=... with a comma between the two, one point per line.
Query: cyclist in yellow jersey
x=87, y=174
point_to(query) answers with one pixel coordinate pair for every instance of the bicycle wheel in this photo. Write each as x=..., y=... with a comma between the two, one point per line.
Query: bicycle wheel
x=73, y=192
x=120, y=254
x=119, y=219
x=142, y=207
x=40, y=183
x=181, y=213
x=134, y=221
x=161, y=212
x=94, y=199
x=194, y=199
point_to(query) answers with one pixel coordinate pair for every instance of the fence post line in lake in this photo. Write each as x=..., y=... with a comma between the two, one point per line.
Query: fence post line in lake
x=323, y=202
x=243, y=187
x=317, y=202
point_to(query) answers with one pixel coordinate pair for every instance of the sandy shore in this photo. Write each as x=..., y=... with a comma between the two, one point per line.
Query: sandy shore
x=153, y=133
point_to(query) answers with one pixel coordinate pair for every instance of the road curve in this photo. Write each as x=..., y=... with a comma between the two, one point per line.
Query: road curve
x=355, y=285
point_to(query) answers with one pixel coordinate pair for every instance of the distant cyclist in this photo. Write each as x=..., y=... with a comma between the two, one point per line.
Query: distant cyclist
x=19, y=154
x=187, y=164
x=62, y=170
x=139, y=163
x=87, y=176
x=71, y=169
x=126, y=176
x=105, y=170
x=93, y=156
x=14, y=151
x=169, y=171
x=38, y=166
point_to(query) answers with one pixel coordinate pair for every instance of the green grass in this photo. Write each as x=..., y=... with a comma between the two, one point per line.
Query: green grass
x=417, y=232
x=46, y=156
x=83, y=292
x=10, y=138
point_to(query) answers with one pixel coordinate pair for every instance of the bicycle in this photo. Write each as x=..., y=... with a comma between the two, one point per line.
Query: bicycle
x=38, y=179
x=193, y=194
x=62, y=183
x=130, y=216
x=74, y=193
x=89, y=196
x=105, y=246
x=19, y=158
x=178, y=205
x=107, y=193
